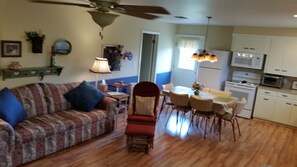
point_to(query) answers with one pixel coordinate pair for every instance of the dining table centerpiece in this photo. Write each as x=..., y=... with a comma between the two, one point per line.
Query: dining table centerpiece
x=197, y=86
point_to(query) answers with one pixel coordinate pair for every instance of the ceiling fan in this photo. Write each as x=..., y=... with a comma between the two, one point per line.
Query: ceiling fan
x=102, y=8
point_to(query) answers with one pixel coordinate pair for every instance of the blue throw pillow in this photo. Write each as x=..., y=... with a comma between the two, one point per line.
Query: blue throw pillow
x=11, y=110
x=84, y=97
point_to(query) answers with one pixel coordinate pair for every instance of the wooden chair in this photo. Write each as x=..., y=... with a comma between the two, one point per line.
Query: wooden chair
x=181, y=103
x=141, y=124
x=231, y=117
x=201, y=108
x=166, y=99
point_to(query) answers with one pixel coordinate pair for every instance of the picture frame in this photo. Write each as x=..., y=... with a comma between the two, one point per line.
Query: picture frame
x=294, y=85
x=113, y=53
x=11, y=48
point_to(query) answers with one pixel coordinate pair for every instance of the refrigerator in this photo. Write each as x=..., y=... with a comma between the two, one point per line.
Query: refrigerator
x=214, y=75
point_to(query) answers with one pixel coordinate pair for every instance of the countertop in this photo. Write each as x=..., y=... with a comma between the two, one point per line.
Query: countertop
x=282, y=90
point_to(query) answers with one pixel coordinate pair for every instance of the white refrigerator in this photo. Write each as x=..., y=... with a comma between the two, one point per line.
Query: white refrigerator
x=214, y=75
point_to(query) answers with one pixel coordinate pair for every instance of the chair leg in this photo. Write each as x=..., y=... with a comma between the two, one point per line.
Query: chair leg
x=232, y=122
x=205, y=128
x=238, y=126
x=220, y=128
x=169, y=117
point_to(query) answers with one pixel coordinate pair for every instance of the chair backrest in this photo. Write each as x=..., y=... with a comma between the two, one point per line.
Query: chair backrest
x=179, y=99
x=199, y=104
x=239, y=106
x=220, y=92
x=146, y=89
x=167, y=86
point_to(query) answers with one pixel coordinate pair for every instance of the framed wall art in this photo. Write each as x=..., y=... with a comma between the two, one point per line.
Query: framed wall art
x=113, y=53
x=294, y=85
x=11, y=48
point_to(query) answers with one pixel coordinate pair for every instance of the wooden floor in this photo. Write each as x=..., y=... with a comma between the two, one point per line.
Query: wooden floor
x=261, y=144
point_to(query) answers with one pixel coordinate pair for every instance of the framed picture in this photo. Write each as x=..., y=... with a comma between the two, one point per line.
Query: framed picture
x=113, y=53
x=294, y=85
x=11, y=48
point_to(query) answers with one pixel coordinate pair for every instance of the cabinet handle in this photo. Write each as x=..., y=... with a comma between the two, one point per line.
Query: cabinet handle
x=284, y=71
x=252, y=49
x=276, y=69
x=288, y=103
x=285, y=95
x=295, y=104
x=245, y=48
x=267, y=92
x=266, y=99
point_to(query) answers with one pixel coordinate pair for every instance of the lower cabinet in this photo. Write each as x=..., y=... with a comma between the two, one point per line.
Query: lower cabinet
x=276, y=106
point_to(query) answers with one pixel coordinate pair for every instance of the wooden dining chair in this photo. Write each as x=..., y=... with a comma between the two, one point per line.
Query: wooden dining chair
x=231, y=117
x=181, y=104
x=166, y=99
x=201, y=108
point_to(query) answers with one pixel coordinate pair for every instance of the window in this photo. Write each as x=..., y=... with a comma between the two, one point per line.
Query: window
x=185, y=61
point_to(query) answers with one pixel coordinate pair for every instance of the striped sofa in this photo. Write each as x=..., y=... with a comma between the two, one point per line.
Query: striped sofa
x=52, y=124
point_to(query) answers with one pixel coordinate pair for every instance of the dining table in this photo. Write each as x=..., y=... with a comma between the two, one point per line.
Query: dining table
x=224, y=101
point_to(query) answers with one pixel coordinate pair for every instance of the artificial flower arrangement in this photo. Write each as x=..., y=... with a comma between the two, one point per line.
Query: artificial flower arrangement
x=33, y=35
x=197, y=86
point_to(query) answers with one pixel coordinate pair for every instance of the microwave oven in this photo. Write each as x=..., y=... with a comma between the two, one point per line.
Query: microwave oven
x=272, y=80
x=247, y=60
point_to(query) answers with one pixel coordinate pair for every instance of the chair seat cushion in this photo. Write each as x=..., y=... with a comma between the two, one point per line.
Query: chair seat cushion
x=142, y=118
x=140, y=130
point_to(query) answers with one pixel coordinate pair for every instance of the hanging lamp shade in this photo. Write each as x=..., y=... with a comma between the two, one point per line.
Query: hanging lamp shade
x=103, y=19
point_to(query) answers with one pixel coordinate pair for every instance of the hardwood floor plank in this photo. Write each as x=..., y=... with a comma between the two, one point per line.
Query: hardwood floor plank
x=262, y=143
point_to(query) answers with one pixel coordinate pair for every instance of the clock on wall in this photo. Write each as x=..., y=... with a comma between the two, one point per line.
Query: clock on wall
x=62, y=47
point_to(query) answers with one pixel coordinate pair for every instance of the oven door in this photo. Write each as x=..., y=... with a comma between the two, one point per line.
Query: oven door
x=240, y=92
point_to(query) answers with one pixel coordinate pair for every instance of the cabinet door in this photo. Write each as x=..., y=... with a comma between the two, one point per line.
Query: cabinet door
x=250, y=43
x=282, y=111
x=293, y=116
x=274, y=59
x=264, y=106
x=290, y=59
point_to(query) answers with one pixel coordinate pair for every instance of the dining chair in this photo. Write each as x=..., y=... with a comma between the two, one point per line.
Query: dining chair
x=201, y=108
x=181, y=103
x=231, y=117
x=166, y=99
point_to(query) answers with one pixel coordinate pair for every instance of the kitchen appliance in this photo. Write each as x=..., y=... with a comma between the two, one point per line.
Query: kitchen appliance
x=272, y=80
x=213, y=75
x=244, y=85
x=247, y=60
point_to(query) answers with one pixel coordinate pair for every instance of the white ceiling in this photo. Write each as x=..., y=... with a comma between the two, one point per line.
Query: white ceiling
x=264, y=13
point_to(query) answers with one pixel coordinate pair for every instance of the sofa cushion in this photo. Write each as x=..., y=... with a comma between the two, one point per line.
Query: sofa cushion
x=54, y=95
x=84, y=97
x=32, y=98
x=11, y=109
x=60, y=122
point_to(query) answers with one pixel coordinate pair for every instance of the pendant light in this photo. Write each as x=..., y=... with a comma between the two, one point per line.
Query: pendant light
x=205, y=55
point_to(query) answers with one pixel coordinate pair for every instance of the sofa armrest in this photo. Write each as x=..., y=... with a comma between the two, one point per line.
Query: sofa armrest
x=109, y=104
x=7, y=135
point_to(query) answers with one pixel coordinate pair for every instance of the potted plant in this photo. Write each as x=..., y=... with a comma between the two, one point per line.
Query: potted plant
x=36, y=39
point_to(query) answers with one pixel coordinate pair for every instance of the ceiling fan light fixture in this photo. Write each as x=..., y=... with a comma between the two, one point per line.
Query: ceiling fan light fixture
x=103, y=19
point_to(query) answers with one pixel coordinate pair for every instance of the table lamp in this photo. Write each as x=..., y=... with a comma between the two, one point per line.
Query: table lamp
x=100, y=66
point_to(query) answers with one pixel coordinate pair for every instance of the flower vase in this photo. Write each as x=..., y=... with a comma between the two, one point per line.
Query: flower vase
x=196, y=92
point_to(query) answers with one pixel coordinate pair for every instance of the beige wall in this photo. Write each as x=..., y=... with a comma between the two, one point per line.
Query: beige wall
x=75, y=24
x=219, y=37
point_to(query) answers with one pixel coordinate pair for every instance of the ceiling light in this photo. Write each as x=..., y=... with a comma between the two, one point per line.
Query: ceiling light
x=295, y=15
x=205, y=55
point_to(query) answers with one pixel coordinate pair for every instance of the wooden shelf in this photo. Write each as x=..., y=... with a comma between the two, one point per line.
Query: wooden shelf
x=31, y=72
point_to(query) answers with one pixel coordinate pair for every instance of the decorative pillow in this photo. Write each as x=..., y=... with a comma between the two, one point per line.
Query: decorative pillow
x=11, y=110
x=84, y=97
x=144, y=105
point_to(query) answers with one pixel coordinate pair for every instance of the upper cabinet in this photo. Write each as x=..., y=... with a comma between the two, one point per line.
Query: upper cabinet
x=250, y=43
x=282, y=57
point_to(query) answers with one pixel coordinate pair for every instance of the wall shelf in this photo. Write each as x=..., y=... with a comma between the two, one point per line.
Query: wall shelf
x=31, y=72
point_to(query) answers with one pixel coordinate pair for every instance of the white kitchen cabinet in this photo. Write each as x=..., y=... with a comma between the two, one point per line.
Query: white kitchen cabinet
x=282, y=111
x=264, y=106
x=282, y=57
x=293, y=116
x=250, y=43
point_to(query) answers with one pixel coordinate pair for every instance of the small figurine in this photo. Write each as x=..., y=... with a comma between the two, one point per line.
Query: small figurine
x=14, y=65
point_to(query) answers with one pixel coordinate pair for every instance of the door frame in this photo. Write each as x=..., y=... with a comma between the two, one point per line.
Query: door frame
x=154, y=58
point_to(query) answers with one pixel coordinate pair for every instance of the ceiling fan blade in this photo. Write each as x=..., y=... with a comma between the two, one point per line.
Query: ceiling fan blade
x=143, y=9
x=141, y=15
x=64, y=3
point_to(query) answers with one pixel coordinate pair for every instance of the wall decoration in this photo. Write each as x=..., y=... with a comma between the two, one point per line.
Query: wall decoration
x=11, y=48
x=128, y=55
x=62, y=47
x=294, y=85
x=37, y=41
x=113, y=53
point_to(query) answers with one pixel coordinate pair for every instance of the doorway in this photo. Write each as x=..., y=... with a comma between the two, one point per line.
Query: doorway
x=148, y=56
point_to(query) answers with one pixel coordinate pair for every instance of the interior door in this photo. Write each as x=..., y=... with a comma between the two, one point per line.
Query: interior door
x=148, y=57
